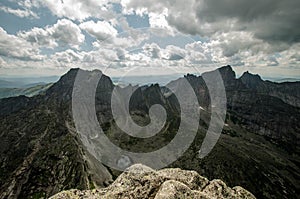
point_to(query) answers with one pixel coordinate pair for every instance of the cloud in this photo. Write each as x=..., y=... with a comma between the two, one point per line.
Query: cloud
x=269, y=20
x=19, y=13
x=2, y=63
x=68, y=56
x=39, y=36
x=95, y=58
x=14, y=47
x=237, y=32
x=174, y=53
x=171, y=52
x=234, y=42
x=80, y=9
x=64, y=31
x=67, y=32
x=241, y=49
x=159, y=20
x=101, y=30
x=152, y=50
x=132, y=38
x=27, y=3
x=290, y=57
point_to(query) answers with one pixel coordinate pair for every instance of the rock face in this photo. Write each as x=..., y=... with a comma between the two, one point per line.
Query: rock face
x=287, y=91
x=139, y=181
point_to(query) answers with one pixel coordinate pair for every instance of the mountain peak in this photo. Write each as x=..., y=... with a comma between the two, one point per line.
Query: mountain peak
x=227, y=67
x=247, y=74
x=251, y=80
x=64, y=87
x=227, y=74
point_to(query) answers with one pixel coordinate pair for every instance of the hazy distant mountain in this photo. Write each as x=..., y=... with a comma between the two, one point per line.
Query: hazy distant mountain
x=281, y=80
x=145, y=80
x=29, y=92
x=41, y=153
x=26, y=82
x=13, y=86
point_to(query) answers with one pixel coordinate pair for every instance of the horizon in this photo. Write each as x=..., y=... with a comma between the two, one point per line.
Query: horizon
x=161, y=79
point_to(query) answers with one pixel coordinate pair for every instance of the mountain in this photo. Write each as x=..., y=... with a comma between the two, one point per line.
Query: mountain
x=25, y=82
x=4, y=84
x=286, y=91
x=29, y=92
x=41, y=153
x=29, y=86
x=139, y=181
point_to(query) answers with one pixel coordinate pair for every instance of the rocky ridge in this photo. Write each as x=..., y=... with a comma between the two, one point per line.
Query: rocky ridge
x=41, y=153
x=139, y=181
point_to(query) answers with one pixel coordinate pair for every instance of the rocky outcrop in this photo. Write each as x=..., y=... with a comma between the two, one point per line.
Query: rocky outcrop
x=140, y=181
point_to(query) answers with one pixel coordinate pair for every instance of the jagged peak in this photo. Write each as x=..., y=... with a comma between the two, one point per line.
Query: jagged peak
x=64, y=86
x=251, y=80
x=71, y=74
x=227, y=67
x=247, y=74
x=227, y=70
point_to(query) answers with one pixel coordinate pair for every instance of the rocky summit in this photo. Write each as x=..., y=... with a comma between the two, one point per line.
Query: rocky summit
x=140, y=181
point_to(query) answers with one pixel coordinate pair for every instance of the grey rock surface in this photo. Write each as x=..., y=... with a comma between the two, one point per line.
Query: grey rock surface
x=139, y=181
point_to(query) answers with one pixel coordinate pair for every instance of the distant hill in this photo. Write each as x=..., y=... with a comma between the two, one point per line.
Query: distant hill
x=26, y=82
x=281, y=80
x=9, y=84
x=28, y=86
x=29, y=92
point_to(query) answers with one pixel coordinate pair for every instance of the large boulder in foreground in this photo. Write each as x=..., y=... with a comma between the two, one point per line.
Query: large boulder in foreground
x=139, y=181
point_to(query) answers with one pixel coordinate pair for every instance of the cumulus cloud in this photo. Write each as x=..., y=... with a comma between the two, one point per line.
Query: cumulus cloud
x=19, y=12
x=67, y=32
x=14, y=47
x=38, y=36
x=174, y=53
x=64, y=31
x=237, y=32
x=80, y=9
x=131, y=38
x=152, y=50
x=68, y=56
x=101, y=30
x=170, y=52
x=240, y=49
x=86, y=59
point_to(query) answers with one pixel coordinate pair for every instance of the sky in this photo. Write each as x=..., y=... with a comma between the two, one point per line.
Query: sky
x=157, y=37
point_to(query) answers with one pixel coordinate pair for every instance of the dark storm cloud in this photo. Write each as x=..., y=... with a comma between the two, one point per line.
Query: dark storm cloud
x=270, y=20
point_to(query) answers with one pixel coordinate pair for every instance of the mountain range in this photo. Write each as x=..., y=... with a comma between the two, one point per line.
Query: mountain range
x=41, y=152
